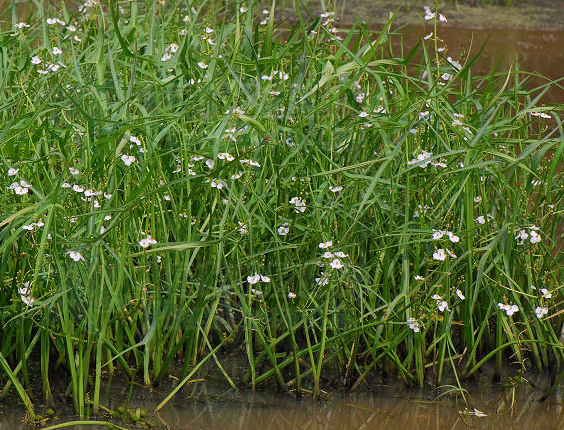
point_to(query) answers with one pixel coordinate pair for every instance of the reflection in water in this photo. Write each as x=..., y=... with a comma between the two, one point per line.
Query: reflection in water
x=208, y=406
x=537, y=51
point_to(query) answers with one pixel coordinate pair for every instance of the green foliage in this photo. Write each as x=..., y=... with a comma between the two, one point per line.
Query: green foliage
x=179, y=153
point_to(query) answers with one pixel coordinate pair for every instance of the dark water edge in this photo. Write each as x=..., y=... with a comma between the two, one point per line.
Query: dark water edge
x=210, y=403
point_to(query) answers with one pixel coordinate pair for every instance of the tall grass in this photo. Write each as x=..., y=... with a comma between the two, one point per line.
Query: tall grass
x=195, y=182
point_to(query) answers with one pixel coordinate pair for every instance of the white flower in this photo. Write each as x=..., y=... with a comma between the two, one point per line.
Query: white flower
x=442, y=18
x=167, y=198
x=209, y=30
x=437, y=297
x=413, y=324
x=147, y=241
x=128, y=160
x=539, y=311
x=460, y=294
x=57, y=50
x=166, y=56
x=218, y=183
x=480, y=220
x=225, y=156
x=443, y=306
x=479, y=413
x=336, y=189
x=74, y=171
x=242, y=228
x=264, y=278
x=336, y=264
x=325, y=245
x=521, y=236
x=254, y=279
x=363, y=114
x=509, y=309
x=210, y=163
x=242, y=9
x=35, y=60
x=202, y=65
x=284, y=229
x=29, y=227
x=256, y=292
x=291, y=295
x=453, y=238
x=422, y=160
x=12, y=171
x=439, y=255
x=341, y=254
x=419, y=278
x=18, y=189
x=438, y=234
x=322, y=280
x=75, y=255
x=545, y=293
x=535, y=237
x=299, y=204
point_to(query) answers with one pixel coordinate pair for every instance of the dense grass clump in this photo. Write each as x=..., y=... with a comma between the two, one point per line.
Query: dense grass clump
x=180, y=181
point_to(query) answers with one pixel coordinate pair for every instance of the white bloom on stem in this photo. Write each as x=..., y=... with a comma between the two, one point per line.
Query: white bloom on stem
x=75, y=255
x=439, y=255
x=413, y=324
x=438, y=234
x=291, y=295
x=336, y=264
x=540, y=311
x=535, y=237
x=264, y=278
x=509, y=309
x=242, y=228
x=253, y=279
x=545, y=293
x=12, y=171
x=322, y=280
x=284, y=229
x=460, y=294
x=128, y=160
x=147, y=241
x=521, y=236
x=325, y=245
x=57, y=50
x=74, y=171
x=218, y=183
x=202, y=65
x=336, y=189
x=453, y=238
x=443, y=306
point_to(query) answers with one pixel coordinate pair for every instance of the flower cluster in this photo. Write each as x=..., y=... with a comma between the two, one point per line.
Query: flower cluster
x=533, y=235
x=25, y=294
x=509, y=309
x=299, y=204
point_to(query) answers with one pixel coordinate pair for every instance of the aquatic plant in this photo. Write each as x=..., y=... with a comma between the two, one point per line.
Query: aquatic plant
x=181, y=181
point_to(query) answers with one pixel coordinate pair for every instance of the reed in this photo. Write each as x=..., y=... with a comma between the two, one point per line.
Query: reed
x=184, y=180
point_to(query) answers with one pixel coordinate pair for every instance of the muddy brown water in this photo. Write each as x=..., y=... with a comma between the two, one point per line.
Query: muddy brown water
x=212, y=406
x=534, y=51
